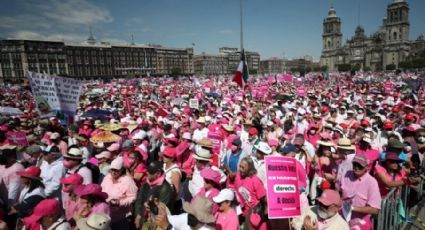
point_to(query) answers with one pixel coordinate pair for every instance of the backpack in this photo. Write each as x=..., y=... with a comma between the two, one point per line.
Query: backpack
x=94, y=169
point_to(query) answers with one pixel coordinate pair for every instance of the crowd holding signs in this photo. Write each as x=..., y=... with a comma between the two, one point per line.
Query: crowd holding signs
x=310, y=152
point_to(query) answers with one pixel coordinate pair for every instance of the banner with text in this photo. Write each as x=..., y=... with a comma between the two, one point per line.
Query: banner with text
x=54, y=93
x=17, y=138
x=283, y=194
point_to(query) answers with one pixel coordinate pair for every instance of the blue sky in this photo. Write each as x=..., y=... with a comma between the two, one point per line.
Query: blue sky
x=273, y=28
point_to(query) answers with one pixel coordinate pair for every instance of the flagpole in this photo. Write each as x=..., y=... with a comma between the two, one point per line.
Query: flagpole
x=241, y=15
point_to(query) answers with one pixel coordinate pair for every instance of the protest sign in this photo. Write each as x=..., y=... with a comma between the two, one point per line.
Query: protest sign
x=194, y=103
x=283, y=194
x=55, y=93
x=216, y=139
x=301, y=91
x=17, y=138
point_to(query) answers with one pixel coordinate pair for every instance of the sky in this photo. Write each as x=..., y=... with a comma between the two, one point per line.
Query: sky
x=274, y=28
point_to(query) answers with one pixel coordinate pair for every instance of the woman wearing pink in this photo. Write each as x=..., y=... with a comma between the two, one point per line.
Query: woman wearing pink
x=211, y=185
x=389, y=174
x=226, y=218
x=122, y=192
x=71, y=204
x=86, y=129
x=91, y=201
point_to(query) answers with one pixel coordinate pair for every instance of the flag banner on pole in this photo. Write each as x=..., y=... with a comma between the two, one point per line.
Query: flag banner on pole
x=241, y=75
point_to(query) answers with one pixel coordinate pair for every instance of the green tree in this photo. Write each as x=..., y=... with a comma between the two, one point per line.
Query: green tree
x=405, y=65
x=324, y=68
x=344, y=67
x=418, y=63
x=356, y=67
x=253, y=71
x=390, y=67
x=176, y=71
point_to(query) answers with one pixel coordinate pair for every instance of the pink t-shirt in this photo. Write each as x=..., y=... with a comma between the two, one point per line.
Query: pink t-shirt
x=101, y=207
x=382, y=188
x=227, y=221
x=249, y=191
x=363, y=191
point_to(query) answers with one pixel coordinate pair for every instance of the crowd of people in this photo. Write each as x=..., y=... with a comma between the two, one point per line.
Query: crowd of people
x=189, y=152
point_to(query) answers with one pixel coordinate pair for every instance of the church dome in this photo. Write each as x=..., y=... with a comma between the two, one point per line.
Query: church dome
x=332, y=12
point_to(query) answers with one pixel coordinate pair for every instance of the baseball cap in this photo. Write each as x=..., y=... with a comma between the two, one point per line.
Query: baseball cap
x=117, y=163
x=224, y=195
x=361, y=159
x=154, y=167
x=288, y=148
x=104, y=154
x=330, y=197
x=237, y=142
x=113, y=147
x=33, y=149
x=253, y=131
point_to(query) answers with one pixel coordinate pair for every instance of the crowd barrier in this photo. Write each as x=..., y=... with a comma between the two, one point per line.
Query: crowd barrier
x=399, y=206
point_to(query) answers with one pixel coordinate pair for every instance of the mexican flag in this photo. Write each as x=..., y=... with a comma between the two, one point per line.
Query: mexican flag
x=241, y=75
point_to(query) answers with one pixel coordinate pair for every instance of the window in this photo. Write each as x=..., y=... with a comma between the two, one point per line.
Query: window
x=395, y=35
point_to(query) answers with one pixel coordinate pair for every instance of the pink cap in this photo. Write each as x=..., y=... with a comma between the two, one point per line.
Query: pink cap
x=30, y=172
x=273, y=142
x=211, y=174
x=75, y=179
x=113, y=147
x=46, y=207
x=169, y=152
x=330, y=197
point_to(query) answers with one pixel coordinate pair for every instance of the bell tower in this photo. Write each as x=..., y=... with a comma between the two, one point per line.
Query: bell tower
x=332, y=37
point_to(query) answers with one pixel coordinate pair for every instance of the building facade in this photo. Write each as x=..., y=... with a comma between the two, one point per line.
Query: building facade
x=210, y=64
x=90, y=60
x=272, y=65
x=229, y=58
x=388, y=46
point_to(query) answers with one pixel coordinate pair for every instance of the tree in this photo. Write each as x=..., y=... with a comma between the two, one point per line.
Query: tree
x=344, y=67
x=390, y=67
x=356, y=67
x=405, y=65
x=176, y=71
x=324, y=68
x=418, y=63
x=317, y=69
x=253, y=71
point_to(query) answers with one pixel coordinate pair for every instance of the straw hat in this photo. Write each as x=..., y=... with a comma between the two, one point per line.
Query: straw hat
x=97, y=221
x=201, y=120
x=205, y=142
x=202, y=154
x=111, y=127
x=105, y=137
x=74, y=153
x=325, y=143
x=345, y=143
x=201, y=208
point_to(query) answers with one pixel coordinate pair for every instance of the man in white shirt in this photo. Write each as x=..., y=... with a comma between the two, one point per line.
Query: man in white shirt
x=52, y=170
x=201, y=132
x=263, y=149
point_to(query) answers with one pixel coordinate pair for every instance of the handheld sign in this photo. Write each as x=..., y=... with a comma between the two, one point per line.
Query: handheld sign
x=283, y=193
x=17, y=138
x=194, y=103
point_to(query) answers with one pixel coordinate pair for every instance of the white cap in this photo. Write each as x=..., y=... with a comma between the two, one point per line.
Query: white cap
x=263, y=147
x=140, y=135
x=117, y=163
x=104, y=154
x=225, y=194
x=270, y=123
x=301, y=111
x=54, y=136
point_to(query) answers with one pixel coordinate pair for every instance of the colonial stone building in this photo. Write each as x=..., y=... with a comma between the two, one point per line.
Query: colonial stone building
x=389, y=45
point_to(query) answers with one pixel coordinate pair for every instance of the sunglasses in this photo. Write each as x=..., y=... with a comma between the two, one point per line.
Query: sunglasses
x=358, y=166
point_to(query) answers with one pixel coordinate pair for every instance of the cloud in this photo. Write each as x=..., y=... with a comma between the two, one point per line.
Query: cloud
x=225, y=31
x=54, y=16
x=33, y=35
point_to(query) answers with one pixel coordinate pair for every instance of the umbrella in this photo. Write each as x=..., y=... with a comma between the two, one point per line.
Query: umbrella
x=215, y=95
x=178, y=101
x=97, y=113
x=282, y=97
x=105, y=137
x=10, y=111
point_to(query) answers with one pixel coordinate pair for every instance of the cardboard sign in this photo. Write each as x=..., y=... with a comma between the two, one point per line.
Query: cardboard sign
x=283, y=193
x=55, y=93
x=17, y=138
x=194, y=103
x=216, y=138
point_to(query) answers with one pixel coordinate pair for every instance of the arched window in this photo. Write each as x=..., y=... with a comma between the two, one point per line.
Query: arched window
x=329, y=44
x=395, y=35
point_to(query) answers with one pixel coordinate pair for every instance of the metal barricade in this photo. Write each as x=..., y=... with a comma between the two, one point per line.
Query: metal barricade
x=390, y=217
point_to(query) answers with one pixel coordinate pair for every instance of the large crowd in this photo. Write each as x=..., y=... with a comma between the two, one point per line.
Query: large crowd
x=188, y=152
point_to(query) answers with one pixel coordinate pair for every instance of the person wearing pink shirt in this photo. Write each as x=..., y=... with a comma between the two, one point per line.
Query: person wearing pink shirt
x=364, y=147
x=91, y=201
x=389, y=174
x=122, y=192
x=211, y=185
x=226, y=218
x=248, y=187
x=10, y=181
x=360, y=194
x=71, y=204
